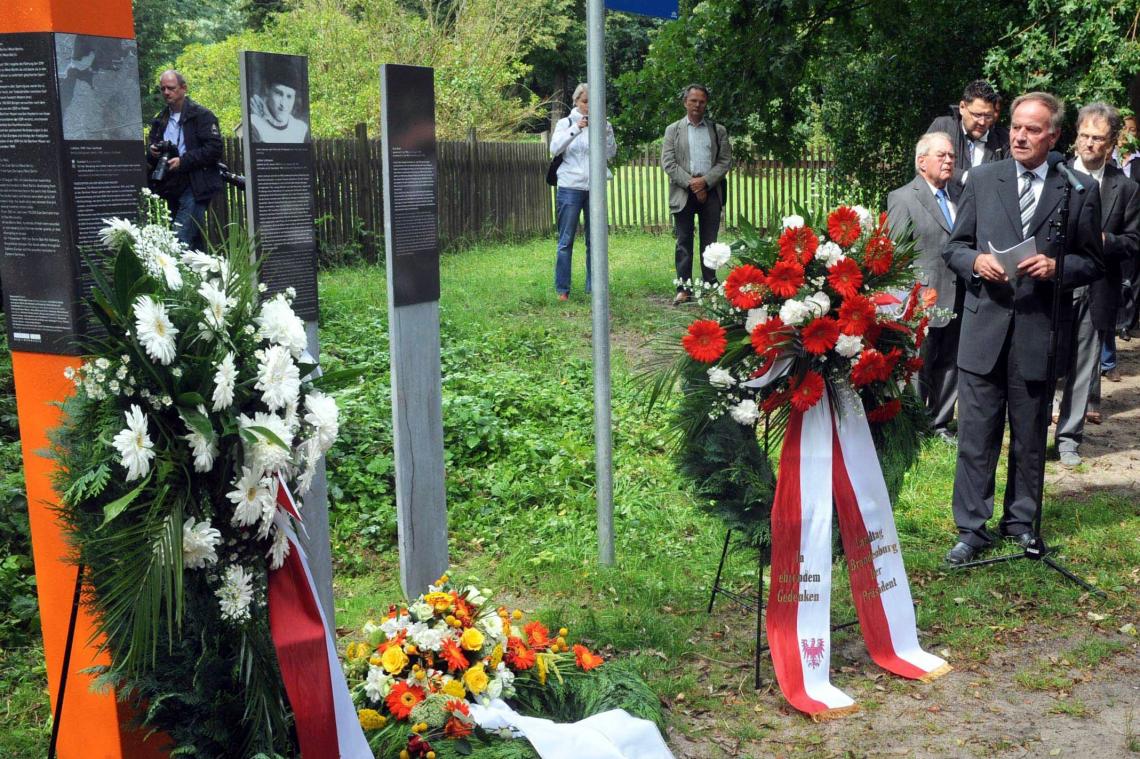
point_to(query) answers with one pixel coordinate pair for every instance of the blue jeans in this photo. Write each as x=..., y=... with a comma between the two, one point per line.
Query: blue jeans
x=189, y=219
x=1107, y=350
x=569, y=204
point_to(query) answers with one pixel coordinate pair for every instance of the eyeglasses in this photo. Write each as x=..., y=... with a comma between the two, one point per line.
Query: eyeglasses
x=1095, y=139
x=984, y=116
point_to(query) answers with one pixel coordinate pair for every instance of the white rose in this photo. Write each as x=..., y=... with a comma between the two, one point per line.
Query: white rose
x=756, y=317
x=745, y=412
x=716, y=255
x=720, y=377
x=849, y=345
x=793, y=221
x=794, y=312
x=829, y=253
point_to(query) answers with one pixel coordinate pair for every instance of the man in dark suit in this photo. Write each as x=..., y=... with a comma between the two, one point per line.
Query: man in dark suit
x=972, y=124
x=1003, y=353
x=925, y=208
x=1093, y=337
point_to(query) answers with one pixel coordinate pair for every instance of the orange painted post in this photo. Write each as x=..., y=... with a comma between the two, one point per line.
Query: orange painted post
x=93, y=725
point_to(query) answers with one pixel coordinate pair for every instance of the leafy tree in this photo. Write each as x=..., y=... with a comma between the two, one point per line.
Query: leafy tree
x=477, y=48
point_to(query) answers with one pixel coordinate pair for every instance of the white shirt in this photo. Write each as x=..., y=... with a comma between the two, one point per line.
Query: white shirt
x=1098, y=175
x=979, y=147
x=700, y=148
x=573, y=143
x=1038, y=178
x=949, y=203
x=173, y=131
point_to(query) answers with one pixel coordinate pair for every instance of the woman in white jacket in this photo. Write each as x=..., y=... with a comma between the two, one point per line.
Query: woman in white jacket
x=571, y=140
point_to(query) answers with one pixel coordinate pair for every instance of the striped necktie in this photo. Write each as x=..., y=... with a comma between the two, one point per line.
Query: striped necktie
x=1026, y=201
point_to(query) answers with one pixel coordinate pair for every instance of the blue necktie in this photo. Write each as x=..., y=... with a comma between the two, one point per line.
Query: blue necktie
x=941, y=195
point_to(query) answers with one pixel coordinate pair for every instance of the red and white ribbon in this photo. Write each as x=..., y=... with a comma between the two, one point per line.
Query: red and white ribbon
x=324, y=715
x=825, y=458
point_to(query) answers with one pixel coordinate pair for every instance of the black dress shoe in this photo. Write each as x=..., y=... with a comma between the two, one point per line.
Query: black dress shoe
x=961, y=553
x=1023, y=540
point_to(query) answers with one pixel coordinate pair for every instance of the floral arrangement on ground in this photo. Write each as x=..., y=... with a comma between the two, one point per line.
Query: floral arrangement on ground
x=415, y=675
x=836, y=308
x=194, y=404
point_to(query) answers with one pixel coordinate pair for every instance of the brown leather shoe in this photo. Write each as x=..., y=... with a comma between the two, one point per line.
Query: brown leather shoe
x=681, y=297
x=1112, y=375
x=1093, y=417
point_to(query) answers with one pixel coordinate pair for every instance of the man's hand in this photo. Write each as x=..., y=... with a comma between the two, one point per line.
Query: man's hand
x=154, y=150
x=1039, y=267
x=173, y=163
x=987, y=267
x=698, y=184
x=702, y=196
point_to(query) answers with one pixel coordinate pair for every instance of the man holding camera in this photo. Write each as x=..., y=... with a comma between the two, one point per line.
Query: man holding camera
x=185, y=148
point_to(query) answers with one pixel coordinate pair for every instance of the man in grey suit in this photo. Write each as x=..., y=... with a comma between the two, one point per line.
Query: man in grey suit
x=696, y=155
x=1093, y=336
x=925, y=208
x=972, y=124
x=1006, y=319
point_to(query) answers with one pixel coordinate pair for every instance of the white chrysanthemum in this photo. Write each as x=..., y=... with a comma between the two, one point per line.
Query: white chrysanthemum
x=266, y=456
x=719, y=377
x=251, y=497
x=199, y=543
x=279, y=325
x=745, y=412
x=492, y=628
x=795, y=312
x=278, y=378
x=224, y=380
x=236, y=594
x=158, y=248
x=792, y=222
x=279, y=550
x=118, y=232
x=217, y=305
x=134, y=445
x=829, y=253
x=394, y=626
x=200, y=263
x=756, y=317
x=866, y=218
x=378, y=684
x=155, y=331
x=819, y=303
x=322, y=415
x=203, y=448
x=849, y=345
x=430, y=639
x=716, y=255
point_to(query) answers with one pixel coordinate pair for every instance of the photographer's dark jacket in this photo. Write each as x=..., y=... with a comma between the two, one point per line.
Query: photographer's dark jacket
x=199, y=164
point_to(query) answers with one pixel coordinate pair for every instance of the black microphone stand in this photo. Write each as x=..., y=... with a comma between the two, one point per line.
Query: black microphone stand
x=1038, y=550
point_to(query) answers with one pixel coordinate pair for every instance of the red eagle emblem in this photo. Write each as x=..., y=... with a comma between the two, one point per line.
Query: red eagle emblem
x=814, y=649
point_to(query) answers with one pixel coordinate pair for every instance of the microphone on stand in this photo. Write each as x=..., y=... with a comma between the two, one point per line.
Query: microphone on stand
x=1058, y=160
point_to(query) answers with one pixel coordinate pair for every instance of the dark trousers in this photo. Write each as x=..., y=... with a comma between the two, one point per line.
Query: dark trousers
x=683, y=223
x=984, y=403
x=938, y=377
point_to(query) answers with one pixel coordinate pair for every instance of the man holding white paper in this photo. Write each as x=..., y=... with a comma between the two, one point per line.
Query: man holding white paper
x=1003, y=353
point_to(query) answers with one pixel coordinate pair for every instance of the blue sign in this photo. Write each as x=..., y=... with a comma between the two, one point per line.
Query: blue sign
x=658, y=8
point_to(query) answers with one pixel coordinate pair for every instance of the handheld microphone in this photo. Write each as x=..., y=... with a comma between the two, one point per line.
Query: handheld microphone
x=1058, y=160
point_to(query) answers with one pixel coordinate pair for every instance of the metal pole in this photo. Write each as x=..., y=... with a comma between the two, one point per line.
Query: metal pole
x=599, y=270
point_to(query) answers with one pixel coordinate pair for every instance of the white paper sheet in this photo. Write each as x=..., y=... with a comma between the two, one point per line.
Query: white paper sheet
x=1009, y=258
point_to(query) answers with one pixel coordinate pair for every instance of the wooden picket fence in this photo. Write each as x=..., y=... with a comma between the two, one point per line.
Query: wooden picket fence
x=496, y=190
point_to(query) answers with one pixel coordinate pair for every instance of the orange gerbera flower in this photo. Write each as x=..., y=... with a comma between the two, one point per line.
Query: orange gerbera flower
x=705, y=342
x=886, y=412
x=856, y=315
x=745, y=286
x=820, y=335
x=456, y=728
x=798, y=244
x=403, y=698
x=586, y=660
x=879, y=255
x=785, y=278
x=808, y=392
x=843, y=226
x=845, y=277
x=519, y=657
x=537, y=635
x=453, y=655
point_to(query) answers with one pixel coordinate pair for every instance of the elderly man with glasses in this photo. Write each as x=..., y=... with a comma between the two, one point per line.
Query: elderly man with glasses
x=978, y=138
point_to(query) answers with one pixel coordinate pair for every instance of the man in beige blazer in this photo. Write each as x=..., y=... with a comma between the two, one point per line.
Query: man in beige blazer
x=696, y=155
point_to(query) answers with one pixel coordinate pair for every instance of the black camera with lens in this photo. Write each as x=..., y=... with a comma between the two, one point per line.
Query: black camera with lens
x=166, y=150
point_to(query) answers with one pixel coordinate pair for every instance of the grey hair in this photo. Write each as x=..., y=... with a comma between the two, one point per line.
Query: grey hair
x=1055, y=106
x=924, y=144
x=694, y=86
x=1104, y=111
x=581, y=89
x=177, y=76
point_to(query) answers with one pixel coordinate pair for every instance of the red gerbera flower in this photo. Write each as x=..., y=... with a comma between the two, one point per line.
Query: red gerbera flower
x=886, y=412
x=920, y=332
x=914, y=364
x=705, y=341
x=403, y=698
x=845, y=277
x=798, y=244
x=456, y=728
x=768, y=335
x=807, y=392
x=785, y=277
x=893, y=359
x=453, y=655
x=819, y=335
x=774, y=401
x=586, y=660
x=537, y=635
x=856, y=314
x=519, y=657
x=912, y=301
x=871, y=367
x=745, y=286
x=843, y=226
x=879, y=255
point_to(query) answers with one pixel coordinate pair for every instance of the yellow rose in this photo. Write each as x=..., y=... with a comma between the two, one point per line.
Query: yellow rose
x=455, y=689
x=472, y=639
x=370, y=719
x=475, y=679
x=438, y=601
x=394, y=660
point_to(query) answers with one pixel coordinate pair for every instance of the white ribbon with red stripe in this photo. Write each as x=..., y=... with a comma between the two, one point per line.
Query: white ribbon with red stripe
x=324, y=715
x=825, y=458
